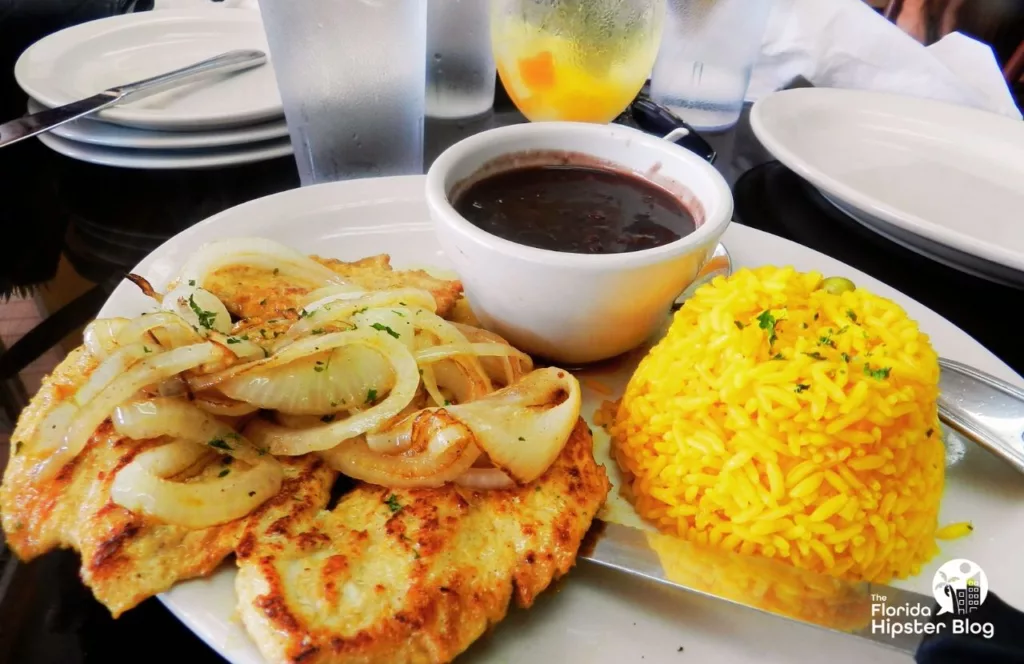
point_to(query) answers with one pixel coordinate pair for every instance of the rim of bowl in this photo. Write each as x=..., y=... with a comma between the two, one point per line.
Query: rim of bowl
x=437, y=197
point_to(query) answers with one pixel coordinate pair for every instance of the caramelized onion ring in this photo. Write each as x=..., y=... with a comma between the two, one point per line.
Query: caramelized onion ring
x=153, y=418
x=440, y=449
x=291, y=442
x=487, y=479
x=141, y=486
x=145, y=372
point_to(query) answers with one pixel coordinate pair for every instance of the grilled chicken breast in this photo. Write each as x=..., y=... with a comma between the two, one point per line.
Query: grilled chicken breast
x=413, y=575
x=126, y=557
x=260, y=296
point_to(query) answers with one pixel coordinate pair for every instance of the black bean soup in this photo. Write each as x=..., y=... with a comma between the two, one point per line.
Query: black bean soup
x=575, y=209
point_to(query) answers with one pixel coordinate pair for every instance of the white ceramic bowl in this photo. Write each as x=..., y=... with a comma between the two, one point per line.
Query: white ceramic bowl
x=575, y=308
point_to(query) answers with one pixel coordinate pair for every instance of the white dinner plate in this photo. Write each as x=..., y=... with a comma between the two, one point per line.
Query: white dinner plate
x=85, y=59
x=943, y=180
x=116, y=136
x=168, y=159
x=598, y=617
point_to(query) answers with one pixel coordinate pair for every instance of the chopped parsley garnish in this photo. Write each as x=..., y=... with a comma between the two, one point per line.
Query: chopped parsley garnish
x=191, y=282
x=802, y=387
x=206, y=318
x=263, y=302
x=815, y=316
x=843, y=329
x=778, y=356
x=145, y=349
x=371, y=395
x=393, y=504
x=929, y=432
x=852, y=316
x=318, y=330
x=846, y=357
x=262, y=451
x=384, y=328
x=304, y=314
x=321, y=366
x=334, y=404
x=219, y=444
x=17, y=446
x=360, y=311
x=522, y=439
x=766, y=321
x=878, y=374
x=447, y=403
x=224, y=472
x=227, y=460
x=252, y=493
x=327, y=418
x=739, y=325
x=398, y=313
x=234, y=340
x=277, y=271
x=826, y=340
x=804, y=325
x=815, y=355
x=266, y=353
x=263, y=333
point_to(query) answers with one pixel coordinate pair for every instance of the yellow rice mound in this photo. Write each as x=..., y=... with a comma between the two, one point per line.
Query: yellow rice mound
x=778, y=419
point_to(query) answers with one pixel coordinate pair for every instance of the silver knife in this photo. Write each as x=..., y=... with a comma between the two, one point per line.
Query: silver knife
x=861, y=610
x=37, y=123
x=983, y=408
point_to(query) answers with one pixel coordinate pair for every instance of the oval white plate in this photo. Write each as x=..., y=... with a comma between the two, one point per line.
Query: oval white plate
x=85, y=59
x=115, y=136
x=597, y=617
x=167, y=159
x=929, y=173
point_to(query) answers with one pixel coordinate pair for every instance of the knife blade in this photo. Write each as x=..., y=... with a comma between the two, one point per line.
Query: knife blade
x=903, y=620
x=37, y=123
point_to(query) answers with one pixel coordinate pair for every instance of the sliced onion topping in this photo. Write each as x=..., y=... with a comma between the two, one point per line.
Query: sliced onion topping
x=290, y=442
x=148, y=371
x=142, y=486
x=153, y=418
x=486, y=479
x=438, y=449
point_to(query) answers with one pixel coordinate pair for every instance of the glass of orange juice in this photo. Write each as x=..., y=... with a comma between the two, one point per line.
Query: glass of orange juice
x=575, y=60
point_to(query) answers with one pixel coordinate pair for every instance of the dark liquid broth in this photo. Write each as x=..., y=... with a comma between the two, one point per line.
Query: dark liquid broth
x=575, y=209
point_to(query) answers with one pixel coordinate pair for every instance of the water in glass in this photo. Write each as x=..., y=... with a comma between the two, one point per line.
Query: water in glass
x=351, y=75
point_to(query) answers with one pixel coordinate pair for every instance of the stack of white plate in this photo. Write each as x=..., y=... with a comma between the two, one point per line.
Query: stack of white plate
x=219, y=121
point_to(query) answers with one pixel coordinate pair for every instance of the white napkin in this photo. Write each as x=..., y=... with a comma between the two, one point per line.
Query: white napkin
x=846, y=44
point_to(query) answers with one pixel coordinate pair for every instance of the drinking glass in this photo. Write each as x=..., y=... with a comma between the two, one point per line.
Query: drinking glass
x=576, y=60
x=460, y=65
x=351, y=75
x=708, y=50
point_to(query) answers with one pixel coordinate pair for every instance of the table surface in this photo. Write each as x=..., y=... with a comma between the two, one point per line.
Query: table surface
x=74, y=229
